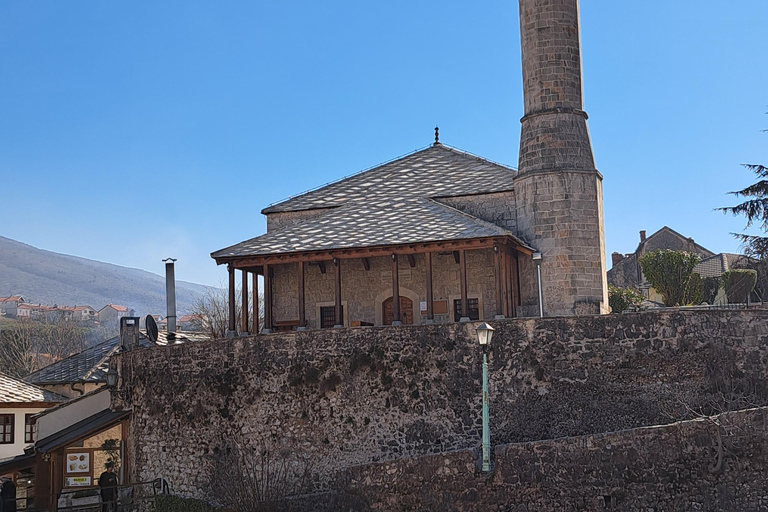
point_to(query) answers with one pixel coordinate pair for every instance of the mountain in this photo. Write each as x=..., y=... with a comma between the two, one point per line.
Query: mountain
x=52, y=278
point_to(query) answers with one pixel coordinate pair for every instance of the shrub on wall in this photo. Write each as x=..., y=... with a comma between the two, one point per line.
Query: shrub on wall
x=670, y=273
x=620, y=299
x=738, y=284
x=174, y=504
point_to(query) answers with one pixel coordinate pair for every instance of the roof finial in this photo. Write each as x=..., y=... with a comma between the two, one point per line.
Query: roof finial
x=437, y=135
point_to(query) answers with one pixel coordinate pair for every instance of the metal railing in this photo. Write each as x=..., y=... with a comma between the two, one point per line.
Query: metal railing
x=130, y=497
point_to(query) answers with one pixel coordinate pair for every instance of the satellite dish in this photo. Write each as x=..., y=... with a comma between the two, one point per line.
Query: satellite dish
x=151, y=328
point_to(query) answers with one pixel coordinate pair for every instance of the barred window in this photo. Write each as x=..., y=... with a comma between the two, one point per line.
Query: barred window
x=473, y=311
x=328, y=316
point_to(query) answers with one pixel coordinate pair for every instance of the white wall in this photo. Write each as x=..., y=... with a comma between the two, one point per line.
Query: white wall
x=17, y=448
x=72, y=413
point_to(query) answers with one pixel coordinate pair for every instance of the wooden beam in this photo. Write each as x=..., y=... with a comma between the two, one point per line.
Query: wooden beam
x=255, y=287
x=244, y=312
x=367, y=263
x=456, y=257
x=321, y=265
x=395, y=292
x=363, y=252
x=302, y=312
x=463, y=284
x=231, y=326
x=430, y=298
x=268, y=273
x=412, y=260
x=339, y=312
x=498, y=271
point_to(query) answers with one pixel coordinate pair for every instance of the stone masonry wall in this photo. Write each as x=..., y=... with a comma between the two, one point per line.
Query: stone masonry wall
x=496, y=208
x=363, y=291
x=345, y=397
x=663, y=468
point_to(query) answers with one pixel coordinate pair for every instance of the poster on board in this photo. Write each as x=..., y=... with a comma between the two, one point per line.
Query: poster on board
x=77, y=462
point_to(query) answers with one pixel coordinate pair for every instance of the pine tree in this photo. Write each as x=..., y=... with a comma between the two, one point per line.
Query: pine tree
x=755, y=210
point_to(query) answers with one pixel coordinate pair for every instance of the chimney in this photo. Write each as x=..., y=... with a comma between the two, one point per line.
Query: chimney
x=616, y=258
x=129, y=332
x=642, y=236
x=170, y=293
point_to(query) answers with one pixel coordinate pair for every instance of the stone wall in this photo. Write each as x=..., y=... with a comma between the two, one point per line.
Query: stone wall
x=672, y=467
x=364, y=291
x=346, y=397
x=498, y=208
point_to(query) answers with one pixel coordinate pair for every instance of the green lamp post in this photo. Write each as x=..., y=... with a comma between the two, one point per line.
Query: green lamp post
x=484, y=335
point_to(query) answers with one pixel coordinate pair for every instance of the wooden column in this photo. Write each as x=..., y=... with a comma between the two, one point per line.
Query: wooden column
x=430, y=297
x=515, y=283
x=505, y=288
x=338, y=311
x=255, y=286
x=267, y=299
x=302, y=306
x=463, y=284
x=395, y=292
x=231, y=325
x=244, y=310
x=499, y=269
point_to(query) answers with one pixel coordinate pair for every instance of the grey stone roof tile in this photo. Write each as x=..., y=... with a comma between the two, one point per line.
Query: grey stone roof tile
x=387, y=205
x=432, y=172
x=17, y=391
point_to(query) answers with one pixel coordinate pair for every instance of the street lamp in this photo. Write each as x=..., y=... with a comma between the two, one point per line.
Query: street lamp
x=111, y=378
x=484, y=335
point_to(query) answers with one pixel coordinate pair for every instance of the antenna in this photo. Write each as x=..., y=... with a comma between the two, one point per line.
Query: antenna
x=151, y=328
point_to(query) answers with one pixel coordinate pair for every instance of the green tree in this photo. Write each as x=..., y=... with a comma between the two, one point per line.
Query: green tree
x=622, y=298
x=755, y=210
x=738, y=284
x=671, y=274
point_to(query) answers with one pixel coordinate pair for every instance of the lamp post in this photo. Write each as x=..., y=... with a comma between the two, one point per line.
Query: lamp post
x=537, y=260
x=484, y=335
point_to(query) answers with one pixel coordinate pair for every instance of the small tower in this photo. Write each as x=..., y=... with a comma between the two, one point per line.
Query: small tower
x=558, y=190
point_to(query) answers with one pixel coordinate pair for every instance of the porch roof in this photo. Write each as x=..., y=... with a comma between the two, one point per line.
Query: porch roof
x=376, y=223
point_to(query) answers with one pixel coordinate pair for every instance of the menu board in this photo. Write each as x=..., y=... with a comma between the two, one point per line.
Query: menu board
x=77, y=462
x=78, y=481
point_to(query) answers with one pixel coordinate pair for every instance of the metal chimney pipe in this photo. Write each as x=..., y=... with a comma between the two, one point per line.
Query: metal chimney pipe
x=170, y=293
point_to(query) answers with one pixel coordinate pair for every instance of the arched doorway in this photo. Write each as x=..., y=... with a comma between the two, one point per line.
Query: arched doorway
x=406, y=311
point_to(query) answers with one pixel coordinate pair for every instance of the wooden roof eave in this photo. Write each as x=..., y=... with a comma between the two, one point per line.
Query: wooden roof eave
x=252, y=262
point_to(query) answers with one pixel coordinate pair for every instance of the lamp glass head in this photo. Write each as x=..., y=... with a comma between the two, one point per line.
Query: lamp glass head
x=536, y=256
x=484, y=333
x=111, y=378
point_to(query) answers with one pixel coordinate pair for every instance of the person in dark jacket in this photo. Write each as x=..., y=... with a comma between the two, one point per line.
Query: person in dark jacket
x=7, y=495
x=108, y=485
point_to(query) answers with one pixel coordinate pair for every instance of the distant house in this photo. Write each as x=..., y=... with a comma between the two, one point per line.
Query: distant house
x=626, y=271
x=34, y=311
x=78, y=313
x=9, y=305
x=112, y=313
x=19, y=402
x=191, y=323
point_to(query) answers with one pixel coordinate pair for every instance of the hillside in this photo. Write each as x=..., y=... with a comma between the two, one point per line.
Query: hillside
x=52, y=278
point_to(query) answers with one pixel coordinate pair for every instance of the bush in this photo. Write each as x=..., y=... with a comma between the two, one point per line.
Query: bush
x=174, y=504
x=711, y=288
x=671, y=274
x=622, y=298
x=738, y=284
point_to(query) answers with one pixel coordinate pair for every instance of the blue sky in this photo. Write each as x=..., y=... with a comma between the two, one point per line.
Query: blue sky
x=132, y=131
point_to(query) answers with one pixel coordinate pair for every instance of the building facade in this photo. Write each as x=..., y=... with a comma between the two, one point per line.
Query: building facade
x=440, y=234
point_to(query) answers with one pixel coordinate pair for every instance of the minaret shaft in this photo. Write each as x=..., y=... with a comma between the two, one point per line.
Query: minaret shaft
x=558, y=191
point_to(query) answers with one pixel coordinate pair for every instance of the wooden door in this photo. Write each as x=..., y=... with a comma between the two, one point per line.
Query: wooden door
x=406, y=311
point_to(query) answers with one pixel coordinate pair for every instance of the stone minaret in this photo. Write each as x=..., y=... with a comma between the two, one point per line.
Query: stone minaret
x=558, y=191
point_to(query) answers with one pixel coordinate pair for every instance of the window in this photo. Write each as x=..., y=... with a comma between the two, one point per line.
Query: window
x=6, y=428
x=472, y=309
x=30, y=428
x=328, y=316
